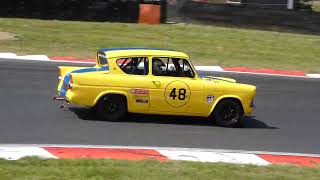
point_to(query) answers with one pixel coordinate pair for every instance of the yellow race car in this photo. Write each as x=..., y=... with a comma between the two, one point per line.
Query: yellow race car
x=153, y=81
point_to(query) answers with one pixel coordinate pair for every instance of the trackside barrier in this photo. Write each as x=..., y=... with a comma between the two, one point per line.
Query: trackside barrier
x=152, y=11
x=149, y=14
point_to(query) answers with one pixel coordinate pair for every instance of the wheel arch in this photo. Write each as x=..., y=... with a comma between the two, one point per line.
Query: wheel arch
x=105, y=93
x=233, y=97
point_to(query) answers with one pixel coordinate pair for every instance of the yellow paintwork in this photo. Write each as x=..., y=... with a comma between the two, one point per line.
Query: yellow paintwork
x=89, y=87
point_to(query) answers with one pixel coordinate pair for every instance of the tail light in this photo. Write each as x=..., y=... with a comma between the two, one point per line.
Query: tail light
x=59, y=75
x=70, y=84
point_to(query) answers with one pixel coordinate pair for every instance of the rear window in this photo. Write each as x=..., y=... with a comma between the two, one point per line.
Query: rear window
x=102, y=59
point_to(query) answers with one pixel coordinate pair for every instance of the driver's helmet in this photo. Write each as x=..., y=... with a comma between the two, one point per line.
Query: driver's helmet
x=157, y=66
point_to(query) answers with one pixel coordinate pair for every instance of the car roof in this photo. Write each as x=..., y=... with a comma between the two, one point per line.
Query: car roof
x=122, y=52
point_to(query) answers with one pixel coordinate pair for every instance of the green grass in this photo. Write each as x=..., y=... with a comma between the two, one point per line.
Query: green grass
x=207, y=45
x=316, y=6
x=33, y=168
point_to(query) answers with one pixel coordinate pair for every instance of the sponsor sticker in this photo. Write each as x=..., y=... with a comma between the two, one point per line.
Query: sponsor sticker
x=209, y=99
x=139, y=92
x=145, y=101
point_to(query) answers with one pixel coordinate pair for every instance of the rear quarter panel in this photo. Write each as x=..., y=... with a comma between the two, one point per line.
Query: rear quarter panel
x=63, y=71
x=90, y=87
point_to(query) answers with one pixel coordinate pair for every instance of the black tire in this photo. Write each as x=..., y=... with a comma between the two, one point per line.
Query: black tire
x=111, y=108
x=228, y=113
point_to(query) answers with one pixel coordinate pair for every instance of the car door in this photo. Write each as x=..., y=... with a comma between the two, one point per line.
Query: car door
x=174, y=89
x=136, y=72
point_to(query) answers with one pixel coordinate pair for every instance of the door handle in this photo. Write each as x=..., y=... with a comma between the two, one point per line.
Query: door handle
x=156, y=83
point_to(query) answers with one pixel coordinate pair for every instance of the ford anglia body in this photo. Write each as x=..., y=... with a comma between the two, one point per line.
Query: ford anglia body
x=153, y=81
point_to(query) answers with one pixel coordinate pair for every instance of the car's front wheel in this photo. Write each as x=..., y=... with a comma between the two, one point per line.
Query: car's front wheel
x=228, y=113
x=111, y=108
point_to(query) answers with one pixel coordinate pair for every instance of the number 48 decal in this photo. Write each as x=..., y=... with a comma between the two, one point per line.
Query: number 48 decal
x=177, y=93
x=181, y=94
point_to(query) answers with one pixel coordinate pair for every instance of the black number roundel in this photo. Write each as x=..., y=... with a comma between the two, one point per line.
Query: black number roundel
x=177, y=94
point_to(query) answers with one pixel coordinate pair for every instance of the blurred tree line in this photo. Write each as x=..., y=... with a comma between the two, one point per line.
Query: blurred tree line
x=91, y=10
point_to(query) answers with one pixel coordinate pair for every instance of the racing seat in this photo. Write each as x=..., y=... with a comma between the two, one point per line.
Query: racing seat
x=157, y=65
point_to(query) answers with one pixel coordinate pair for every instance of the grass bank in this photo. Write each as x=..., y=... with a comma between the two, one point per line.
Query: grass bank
x=207, y=45
x=316, y=6
x=33, y=168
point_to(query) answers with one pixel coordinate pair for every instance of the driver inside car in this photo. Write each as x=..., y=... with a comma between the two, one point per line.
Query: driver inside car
x=157, y=67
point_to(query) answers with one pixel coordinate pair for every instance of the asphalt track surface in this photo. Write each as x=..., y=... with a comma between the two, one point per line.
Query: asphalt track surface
x=286, y=118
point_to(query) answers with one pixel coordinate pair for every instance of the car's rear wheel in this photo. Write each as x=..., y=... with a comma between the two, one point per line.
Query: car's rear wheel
x=111, y=108
x=228, y=113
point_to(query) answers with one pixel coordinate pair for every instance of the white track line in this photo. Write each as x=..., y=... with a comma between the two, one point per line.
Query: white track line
x=45, y=58
x=313, y=75
x=15, y=153
x=282, y=75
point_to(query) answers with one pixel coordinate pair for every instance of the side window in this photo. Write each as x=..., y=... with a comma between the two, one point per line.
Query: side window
x=175, y=67
x=134, y=65
x=102, y=59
